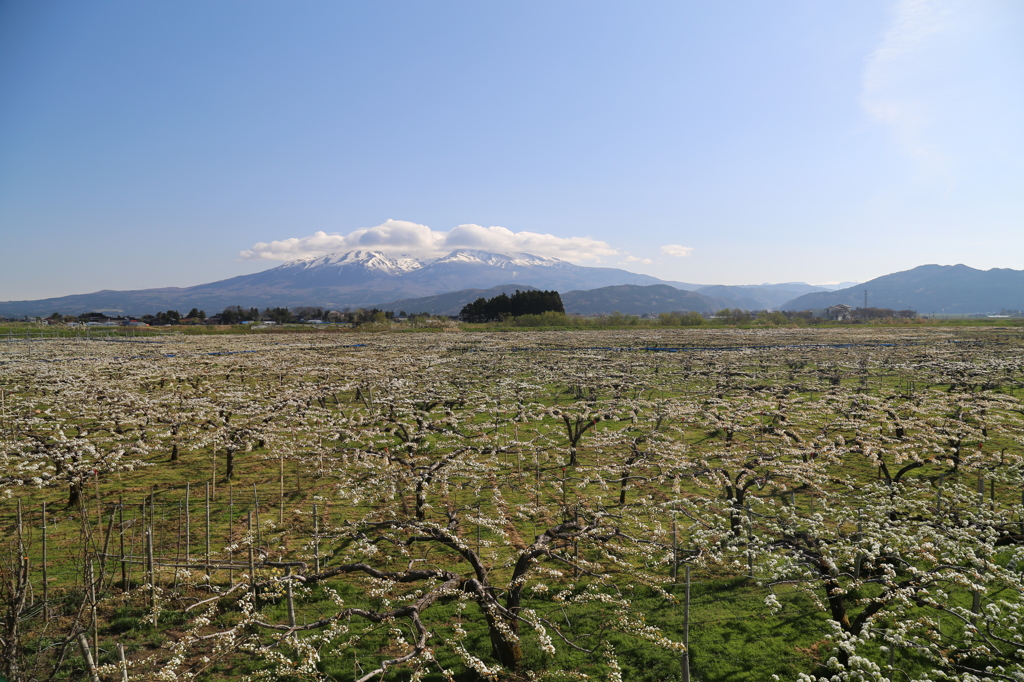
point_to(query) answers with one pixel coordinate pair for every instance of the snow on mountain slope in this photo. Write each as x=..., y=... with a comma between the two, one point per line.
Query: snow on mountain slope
x=499, y=260
x=373, y=261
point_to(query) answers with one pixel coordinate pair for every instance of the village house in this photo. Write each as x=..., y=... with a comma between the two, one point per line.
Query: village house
x=839, y=312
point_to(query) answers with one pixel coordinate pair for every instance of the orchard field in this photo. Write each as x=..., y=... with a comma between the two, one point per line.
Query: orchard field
x=726, y=504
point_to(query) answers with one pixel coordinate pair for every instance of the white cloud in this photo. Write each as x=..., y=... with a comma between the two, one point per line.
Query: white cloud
x=634, y=259
x=412, y=239
x=676, y=250
x=899, y=77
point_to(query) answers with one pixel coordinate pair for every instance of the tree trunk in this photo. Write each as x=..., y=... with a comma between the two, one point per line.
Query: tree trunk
x=421, y=501
x=14, y=592
x=74, y=493
x=509, y=654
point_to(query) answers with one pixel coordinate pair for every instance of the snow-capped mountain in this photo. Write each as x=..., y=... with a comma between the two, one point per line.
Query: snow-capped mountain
x=352, y=279
x=500, y=260
x=370, y=261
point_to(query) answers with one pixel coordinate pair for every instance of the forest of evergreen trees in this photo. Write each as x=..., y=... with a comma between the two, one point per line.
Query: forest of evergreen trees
x=504, y=306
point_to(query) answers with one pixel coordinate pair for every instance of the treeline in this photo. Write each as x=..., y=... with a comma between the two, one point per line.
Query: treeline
x=722, y=318
x=520, y=303
x=359, y=316
x=740, y=316
x=194, y=316
x=280, y=315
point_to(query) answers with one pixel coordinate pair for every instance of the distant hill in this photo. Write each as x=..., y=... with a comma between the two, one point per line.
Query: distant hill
x=758, y=296
x=630, y=299
x=450, y=303
x=836, y=287
x=347, y=280
x=927, y=289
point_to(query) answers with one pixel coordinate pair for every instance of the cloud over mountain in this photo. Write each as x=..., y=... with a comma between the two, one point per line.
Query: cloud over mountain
x=420, y=241
x=676, y=250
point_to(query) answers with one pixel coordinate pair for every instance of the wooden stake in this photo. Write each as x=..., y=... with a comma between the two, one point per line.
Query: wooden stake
x=95, y=621
x=675, y=549
x=750, y=542
x=316, y=537
x=536, y=488
x=256, y=508
x=123, y=661
x=252, y=556
x=685, y=658
x=83, y=644
x=131, y=548
x=207, y=532
x=177, y=548
x=188, y=522
x=860, y=557
x=120, y=520
x=21, y=541
x=564, y=503
x=231, y=525
x=106, y=548
x=149, y=567
x=291, y=598
x=46, y=580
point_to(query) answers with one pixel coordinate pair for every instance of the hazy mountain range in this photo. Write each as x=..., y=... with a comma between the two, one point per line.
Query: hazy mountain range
x=444, y=285
x=929, y=289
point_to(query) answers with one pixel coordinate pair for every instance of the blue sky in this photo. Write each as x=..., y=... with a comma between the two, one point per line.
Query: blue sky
x=170, y=144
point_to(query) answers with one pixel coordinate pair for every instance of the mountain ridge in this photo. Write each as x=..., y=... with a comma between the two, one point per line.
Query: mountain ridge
x=932, y=288
x=628, y=299
x=346, y=280
x=364, y=278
